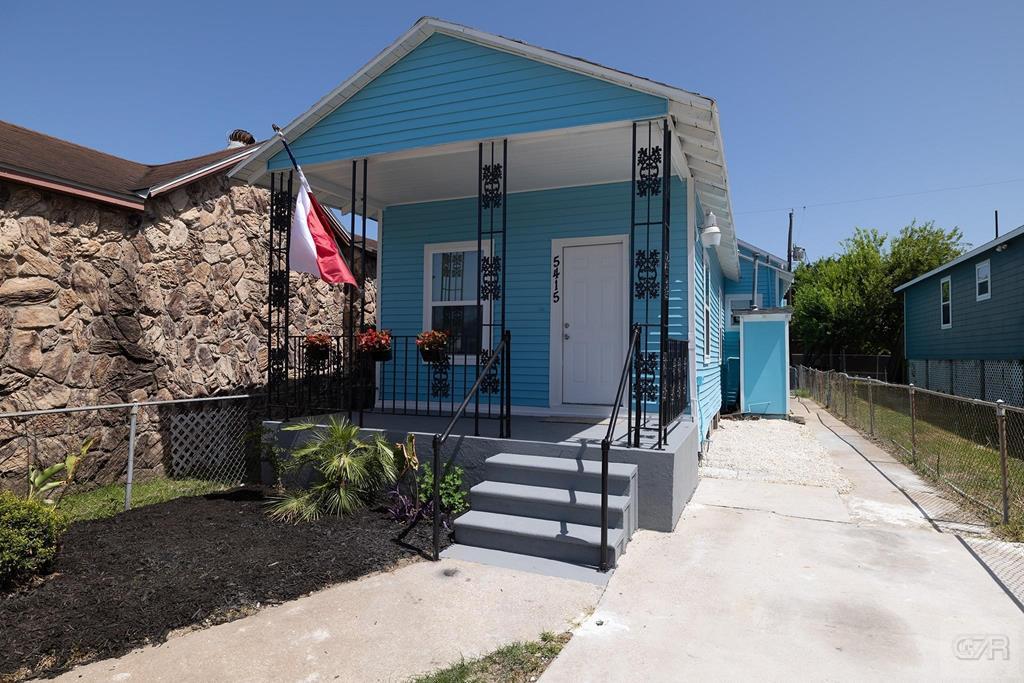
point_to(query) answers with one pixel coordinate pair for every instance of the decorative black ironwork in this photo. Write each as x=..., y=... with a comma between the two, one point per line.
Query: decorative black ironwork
x=491, y=181
x=649, y=279
x=648, y=182
x=440, y=383
x=279, y=288
x=491, y=383
x=279, y=399
x=646, y=264
x=490, y=278
x=674, y=398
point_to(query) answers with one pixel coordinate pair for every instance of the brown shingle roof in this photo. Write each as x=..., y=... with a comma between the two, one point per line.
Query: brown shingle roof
x=48, y=158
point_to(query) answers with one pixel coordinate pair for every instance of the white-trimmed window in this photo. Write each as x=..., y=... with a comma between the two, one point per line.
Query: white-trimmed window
x=737, y=302
x=450, y=293
x=946, y=303
x=983, y=281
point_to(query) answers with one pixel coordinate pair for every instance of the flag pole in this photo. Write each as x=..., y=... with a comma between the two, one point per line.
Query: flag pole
x=295, y=164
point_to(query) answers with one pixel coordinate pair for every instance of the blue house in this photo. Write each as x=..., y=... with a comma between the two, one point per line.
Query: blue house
x=569, y=227
x=964, y=323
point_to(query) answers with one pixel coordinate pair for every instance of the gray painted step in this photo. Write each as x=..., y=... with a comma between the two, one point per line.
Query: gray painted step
x=562, y=541
x=567, y=473
x=567, y=505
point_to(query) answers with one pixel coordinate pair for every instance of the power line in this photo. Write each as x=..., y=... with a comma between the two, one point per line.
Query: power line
x=884, y=196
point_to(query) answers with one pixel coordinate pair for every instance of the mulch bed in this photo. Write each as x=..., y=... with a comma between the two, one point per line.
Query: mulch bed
x=129, y=580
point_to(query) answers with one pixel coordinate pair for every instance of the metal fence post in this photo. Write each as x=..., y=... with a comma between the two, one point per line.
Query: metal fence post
x=1003, y=464
x=913, y=424
x=871, y=408
x=131, y=457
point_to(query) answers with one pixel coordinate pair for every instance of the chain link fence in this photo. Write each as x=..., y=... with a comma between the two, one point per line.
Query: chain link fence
x=131, y=454
x=988, y=380
x=971, y=447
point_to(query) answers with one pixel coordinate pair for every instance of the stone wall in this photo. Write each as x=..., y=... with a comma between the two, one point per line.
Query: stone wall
x=99, y=305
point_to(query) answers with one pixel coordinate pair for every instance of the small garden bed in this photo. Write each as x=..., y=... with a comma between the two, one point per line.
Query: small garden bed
x=130, y=580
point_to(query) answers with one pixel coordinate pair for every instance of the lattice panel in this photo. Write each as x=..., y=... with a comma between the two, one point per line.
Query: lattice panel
x=939, y=375
x=1004, y=379
x=205, y=440
x=966, y=378
x=916, y=372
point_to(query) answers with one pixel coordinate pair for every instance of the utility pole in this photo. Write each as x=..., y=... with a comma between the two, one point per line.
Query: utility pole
x=789, y=242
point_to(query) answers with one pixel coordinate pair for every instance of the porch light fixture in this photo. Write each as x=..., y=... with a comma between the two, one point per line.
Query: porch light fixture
x=712, y=235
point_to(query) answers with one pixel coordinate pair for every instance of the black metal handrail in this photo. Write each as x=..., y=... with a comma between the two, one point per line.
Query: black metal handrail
x=503, y=352
x=606, y=443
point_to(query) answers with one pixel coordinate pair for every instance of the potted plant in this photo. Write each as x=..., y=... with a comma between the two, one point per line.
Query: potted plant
x=376, y=343
x=433, y=345
x=318, y=347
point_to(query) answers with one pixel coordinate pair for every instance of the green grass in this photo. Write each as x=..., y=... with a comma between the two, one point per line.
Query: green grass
x=516, y=663
x=107, y=501
x=968, y=462
x=802, y=393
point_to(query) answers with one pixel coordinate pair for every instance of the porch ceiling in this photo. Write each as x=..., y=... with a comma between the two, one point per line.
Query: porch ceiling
x=535, y=162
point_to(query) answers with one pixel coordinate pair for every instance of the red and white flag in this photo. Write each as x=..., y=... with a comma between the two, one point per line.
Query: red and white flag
x=312, y=248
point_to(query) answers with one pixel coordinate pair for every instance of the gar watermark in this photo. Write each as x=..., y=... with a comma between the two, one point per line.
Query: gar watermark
x=982, y=646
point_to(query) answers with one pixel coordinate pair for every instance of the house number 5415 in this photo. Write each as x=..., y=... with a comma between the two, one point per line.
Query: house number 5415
x=555, y=272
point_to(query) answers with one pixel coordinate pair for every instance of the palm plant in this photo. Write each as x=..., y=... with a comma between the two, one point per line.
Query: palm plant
x=42, y=481
x=350, y=470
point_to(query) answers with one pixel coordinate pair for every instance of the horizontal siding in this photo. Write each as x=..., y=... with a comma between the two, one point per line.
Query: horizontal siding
x=709, y=371
x=534, y=219
x=982, y=330
x=767, y=281
x=449, y=90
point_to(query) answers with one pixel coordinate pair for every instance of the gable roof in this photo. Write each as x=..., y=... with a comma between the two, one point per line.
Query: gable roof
x=992, y=244
x=38, y=159
x=695, y=117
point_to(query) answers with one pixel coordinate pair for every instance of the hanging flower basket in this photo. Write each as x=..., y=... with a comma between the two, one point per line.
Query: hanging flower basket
x=433, y=345
x=318, y=348
x=375, y=343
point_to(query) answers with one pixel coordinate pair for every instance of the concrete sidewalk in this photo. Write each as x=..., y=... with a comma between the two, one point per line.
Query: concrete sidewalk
x=777, y=581
x=384, y=627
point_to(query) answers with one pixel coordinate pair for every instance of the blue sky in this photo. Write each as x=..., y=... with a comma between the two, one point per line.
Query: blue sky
x=821, y=102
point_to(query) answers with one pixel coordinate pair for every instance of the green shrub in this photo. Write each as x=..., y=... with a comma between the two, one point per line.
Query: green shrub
x=30, y=532
x=454, y=500
x=349, y=472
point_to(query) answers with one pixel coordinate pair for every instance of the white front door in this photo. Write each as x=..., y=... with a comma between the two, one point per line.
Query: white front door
x=593, y=322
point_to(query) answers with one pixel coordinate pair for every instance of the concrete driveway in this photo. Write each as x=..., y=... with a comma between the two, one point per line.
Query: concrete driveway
x=780, y=580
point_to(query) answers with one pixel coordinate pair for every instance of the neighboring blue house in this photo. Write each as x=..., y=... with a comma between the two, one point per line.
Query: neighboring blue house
x=964, y=323
x=538, y=207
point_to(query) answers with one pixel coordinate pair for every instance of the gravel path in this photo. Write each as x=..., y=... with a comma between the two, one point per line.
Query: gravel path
x=771, y=450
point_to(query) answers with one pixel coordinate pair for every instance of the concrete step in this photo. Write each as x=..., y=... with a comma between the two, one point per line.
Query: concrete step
x=564, y=473
x=562, y=541
x=542, y=502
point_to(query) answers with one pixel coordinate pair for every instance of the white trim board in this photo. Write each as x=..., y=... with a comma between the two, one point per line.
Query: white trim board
x=555, y=316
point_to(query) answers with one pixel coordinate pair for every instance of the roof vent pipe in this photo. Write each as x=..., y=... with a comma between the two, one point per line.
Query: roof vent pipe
x=753, y=294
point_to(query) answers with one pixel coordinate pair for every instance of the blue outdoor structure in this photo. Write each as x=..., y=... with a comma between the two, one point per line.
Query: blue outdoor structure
x=964, y=323
x=764, y=362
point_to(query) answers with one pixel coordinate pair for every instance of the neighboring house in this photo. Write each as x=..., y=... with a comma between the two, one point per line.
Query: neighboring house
x=773, y=282
x=964, y=323
x=122, y=281
x=522, y=191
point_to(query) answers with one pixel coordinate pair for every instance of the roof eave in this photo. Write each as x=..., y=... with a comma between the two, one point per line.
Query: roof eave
x=92, y=193
x=977, y=251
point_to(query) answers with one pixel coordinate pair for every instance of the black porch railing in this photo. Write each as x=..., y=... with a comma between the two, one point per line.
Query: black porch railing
x=674, y=396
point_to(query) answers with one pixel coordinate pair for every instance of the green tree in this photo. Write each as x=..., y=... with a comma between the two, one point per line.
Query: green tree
x=846, y=302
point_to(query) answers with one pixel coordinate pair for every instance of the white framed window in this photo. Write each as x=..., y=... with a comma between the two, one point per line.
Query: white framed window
x=945, y=303
x=983, y=281
x=737, y=302
x=450, y=272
